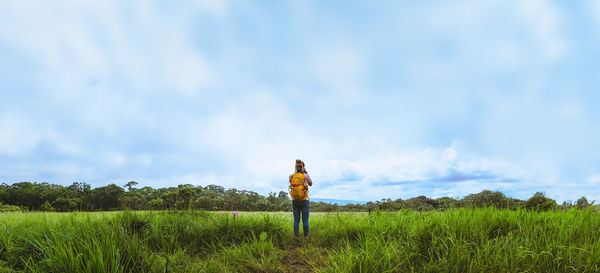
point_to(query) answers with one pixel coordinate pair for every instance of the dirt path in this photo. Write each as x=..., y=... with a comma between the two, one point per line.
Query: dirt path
x=294, y=261
x=296, y=258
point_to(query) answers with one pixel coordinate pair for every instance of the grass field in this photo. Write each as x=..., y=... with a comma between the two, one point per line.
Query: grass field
x=461, y=240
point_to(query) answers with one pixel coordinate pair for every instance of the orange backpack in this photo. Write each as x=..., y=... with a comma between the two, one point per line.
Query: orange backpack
x=298, y=188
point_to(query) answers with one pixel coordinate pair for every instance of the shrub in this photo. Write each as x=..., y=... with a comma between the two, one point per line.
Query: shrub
x=10, y=208
x=540, y=202
x=46, y=207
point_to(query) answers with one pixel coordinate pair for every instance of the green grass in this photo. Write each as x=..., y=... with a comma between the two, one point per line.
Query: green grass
x=461, y=240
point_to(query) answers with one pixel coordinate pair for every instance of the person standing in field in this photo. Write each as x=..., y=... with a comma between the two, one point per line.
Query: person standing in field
x=299, y=183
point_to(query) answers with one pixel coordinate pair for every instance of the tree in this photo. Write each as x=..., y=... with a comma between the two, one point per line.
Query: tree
x=215, y=188
x=370, y=206
x=447, y=203
x=184, y=197
x=540, y=202
x=250, y=200
x=283, y=195
x=80, y=187
x=486, y=198
x=132, y=200
x=80, y=196
x=107, y=197
x=3, y=192
x=421, y=203
x=157, y=203
x=46, y=207
x=148, y=193
x=130, y=185
x=24, y=194
x=582, y=203
x=389, y=205
x=66, y=204
x=170, y=199
x=232, y=199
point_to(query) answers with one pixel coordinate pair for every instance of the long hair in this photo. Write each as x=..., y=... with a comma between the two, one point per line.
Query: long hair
x=299, y=166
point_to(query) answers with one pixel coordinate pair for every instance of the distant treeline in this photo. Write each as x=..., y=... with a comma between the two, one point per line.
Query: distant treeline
x=24, y=196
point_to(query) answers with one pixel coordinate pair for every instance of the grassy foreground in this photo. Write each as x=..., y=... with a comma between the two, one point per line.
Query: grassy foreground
x=461, y=240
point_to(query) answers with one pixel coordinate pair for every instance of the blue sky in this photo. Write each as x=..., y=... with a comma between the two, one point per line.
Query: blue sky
x=388, y=100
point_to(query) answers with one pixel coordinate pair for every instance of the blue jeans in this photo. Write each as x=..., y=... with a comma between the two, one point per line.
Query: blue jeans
x=301, y=207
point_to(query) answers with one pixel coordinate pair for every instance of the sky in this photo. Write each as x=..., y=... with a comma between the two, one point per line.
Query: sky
x=384, y=99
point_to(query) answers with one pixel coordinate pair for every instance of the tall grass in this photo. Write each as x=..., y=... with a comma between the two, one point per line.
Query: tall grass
x=461, y=240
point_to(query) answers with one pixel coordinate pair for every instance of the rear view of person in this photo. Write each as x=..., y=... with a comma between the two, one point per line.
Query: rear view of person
x=299, y=182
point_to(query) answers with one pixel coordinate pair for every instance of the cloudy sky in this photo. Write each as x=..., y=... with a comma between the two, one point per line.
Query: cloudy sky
x=395, y=99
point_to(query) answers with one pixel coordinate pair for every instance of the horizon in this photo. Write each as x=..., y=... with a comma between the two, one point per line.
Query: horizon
x=388, y=100
x=316, y=199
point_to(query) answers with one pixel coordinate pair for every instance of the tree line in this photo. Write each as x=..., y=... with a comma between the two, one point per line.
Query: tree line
x=79, y=196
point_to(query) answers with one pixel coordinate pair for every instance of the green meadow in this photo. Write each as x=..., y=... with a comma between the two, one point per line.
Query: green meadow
x=454, y=240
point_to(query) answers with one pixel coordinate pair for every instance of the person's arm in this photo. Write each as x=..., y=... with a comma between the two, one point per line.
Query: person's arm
x=308, y=180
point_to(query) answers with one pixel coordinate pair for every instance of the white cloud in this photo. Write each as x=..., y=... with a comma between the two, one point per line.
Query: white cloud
x=408, y=173
x=127, y=88
x=573, y=189
x=594, y=10
x=544, y=21
x=18, y=135
x=339, y=67
x=263, y=141
x=258, y=134
x=95, y=41
x=495, y=36
x=186, y=71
